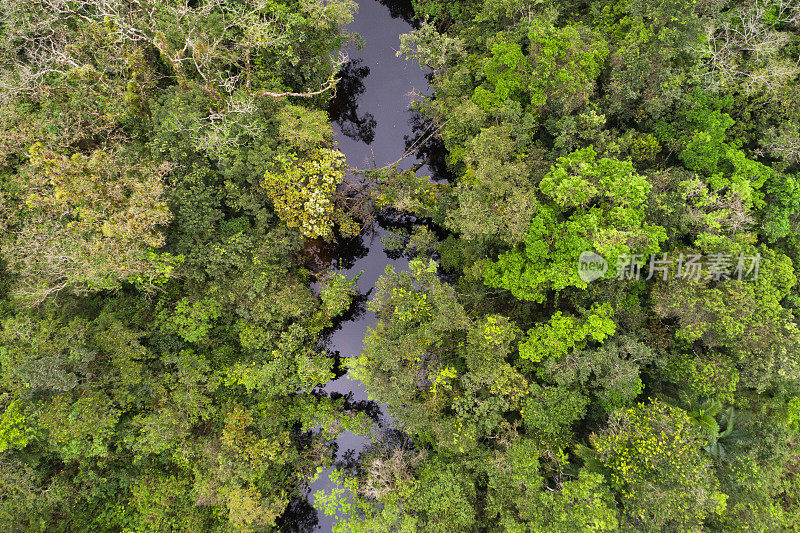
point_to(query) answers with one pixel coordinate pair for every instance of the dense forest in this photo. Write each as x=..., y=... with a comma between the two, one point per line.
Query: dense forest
x=597, y=329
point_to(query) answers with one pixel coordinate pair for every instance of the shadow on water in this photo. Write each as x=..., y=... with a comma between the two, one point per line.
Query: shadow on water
x=299, y=517
x=402, y=9
x=354, y=314
x=320, y=255
x=343, y=108
x=351, y=405
x=428, y=148
x=374, y=126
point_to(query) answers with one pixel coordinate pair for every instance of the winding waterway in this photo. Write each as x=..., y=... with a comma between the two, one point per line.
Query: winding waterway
x=373, y=122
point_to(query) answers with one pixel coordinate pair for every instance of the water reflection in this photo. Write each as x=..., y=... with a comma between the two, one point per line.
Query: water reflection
x=370, y=115
x=428, y=147
x=299, y=517
x=402, y=9
x=337, y=254
x=386, y=444
x=343, y=108
x=356, y=312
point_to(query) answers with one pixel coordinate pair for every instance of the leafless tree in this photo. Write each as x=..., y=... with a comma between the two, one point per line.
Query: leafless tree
x=211, y=41
x=746, y=44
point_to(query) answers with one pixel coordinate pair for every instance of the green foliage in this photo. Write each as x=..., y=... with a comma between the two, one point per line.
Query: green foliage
x=302, y=190
x=193, y=321
x=420, y=321
x=743, y=316
x=564, y=333
x=710, y=375
x=687, y=148
x=303, y=129
x=166, y=171
x=13, y=429
x=160, y=503
x=706, y=147
x=406, y=191
x=652, y=455
x=560, y=70
x=579, y=178
x=601, y=201
x=566, y=62
x=337, y=293
x=160, y=380
x=550, y=411
x=501, y=73
x=83, y=223
x=584, y=504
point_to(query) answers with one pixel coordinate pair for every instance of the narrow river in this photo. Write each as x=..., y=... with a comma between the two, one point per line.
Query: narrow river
x=372, y=119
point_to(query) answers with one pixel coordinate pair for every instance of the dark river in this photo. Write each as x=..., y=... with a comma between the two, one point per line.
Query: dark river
x=373, y=124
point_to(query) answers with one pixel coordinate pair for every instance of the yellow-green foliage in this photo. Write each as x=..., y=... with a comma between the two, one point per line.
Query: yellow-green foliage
x=653, y=456
x=564, y=333
x=13, y=428
x=83, y=222
x=302, y=190
x=711, y=376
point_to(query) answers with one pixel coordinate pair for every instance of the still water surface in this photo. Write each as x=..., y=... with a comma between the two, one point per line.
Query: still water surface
x=373, y=122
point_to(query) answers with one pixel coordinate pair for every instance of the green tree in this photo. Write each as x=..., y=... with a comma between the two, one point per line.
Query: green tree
x=593, y=205
x=84, y=223
x=302, y=190
x=652, y=454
